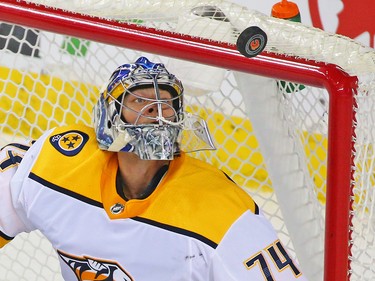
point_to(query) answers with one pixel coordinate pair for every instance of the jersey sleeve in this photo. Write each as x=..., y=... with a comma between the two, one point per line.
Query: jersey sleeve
x=10, y=158
x=16, y=160
x=251, y=250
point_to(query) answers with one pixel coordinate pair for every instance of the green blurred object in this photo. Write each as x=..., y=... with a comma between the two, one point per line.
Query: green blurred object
x=76, y=47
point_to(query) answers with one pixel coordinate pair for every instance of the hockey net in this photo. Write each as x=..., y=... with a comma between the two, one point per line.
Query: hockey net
x=294, y=126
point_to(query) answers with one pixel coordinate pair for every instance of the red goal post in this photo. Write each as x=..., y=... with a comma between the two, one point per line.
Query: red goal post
x=340, y=203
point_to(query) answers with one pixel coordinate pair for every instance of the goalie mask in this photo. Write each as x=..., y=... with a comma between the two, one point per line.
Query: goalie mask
x=141, y=111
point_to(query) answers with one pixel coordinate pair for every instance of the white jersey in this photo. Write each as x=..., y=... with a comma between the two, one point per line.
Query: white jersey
x=196, y=225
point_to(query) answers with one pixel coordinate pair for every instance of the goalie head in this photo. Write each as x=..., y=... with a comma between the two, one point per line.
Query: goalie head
x=141, y=111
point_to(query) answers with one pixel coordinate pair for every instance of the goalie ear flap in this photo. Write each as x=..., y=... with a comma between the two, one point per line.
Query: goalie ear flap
x=251, y=41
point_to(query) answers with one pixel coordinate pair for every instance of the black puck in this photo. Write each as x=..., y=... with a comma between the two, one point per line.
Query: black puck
x=251, y=41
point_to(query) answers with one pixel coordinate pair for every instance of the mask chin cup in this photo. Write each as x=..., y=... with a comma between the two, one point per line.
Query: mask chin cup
x=162, y=142
x=149, y=142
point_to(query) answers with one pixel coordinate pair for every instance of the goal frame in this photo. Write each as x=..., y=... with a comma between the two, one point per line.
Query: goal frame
x=341, y=87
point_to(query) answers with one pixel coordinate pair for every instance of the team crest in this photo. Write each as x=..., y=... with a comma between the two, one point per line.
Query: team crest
x=69, y=143
x=90, y=269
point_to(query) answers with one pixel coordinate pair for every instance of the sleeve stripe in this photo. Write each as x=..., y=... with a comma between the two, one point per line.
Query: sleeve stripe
x=18, y=145
x=256, y=209
x=5, y=237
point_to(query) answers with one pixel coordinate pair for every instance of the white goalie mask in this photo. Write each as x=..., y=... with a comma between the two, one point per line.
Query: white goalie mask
x=141, y=111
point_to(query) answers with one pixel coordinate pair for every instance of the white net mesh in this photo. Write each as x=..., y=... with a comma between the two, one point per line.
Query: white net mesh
x=272, y=136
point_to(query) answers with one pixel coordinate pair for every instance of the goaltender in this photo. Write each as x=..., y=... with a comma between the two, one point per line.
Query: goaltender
x=123, y=200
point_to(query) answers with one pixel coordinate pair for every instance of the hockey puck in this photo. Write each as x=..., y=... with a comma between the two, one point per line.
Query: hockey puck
x=251, y=41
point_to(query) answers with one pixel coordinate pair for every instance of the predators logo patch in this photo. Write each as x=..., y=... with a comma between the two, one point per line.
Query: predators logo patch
x=90, y=269
x=69, y=143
